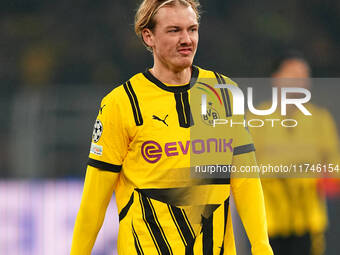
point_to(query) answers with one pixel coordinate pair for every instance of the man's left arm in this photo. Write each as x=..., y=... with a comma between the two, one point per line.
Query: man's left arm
x=249, y=201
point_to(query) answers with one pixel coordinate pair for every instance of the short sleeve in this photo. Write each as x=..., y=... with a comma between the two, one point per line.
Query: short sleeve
x=109, y=138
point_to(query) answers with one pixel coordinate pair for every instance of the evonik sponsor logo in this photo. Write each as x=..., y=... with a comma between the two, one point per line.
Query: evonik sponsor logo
x=152, y=151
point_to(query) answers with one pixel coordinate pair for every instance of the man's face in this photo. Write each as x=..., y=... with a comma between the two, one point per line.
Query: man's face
x=175, y=37
x=292, y=73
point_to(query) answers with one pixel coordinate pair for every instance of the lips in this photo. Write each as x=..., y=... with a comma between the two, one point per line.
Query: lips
x=185, y=51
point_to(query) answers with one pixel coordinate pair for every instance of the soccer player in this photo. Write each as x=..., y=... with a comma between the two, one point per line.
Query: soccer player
x=295, y=207
x=144, y=145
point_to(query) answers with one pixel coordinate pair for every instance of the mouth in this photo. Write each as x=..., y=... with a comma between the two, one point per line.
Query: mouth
x=185, y=51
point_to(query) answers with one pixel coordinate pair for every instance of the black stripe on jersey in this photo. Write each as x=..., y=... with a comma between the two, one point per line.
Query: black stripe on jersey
x=210, y=181
x=173, y=196
x=209, y=209
x=175, y=89
x=179, y=196
x=225, y=94
x=188, y=223
x=226, y=209
x=180, y=110
x=104, y=166
x=243, y=149
x=126, y=208
x=207, y=229
x=147, y=224
x=185, y=98
x=184, y=228
x=183, y=109
x=221, y=78
x=137, y=243
x=155, y=229
x=134, y=103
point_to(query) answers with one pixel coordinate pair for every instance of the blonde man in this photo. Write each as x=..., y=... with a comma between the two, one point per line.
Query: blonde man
x=143, y=147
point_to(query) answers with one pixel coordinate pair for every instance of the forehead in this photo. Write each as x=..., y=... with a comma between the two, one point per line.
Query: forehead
x=295, y=68
x=178, y=15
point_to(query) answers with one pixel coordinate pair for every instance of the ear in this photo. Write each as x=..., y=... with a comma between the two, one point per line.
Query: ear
x=147, y=37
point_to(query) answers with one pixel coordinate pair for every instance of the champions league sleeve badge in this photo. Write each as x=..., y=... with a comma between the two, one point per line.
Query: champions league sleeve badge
x=97, y=131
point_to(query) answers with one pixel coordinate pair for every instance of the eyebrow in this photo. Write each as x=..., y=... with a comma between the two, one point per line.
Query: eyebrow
x=173, y=26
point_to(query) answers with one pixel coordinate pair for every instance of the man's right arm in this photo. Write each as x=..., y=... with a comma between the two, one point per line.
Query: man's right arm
x=108, y=149
x=98, y=188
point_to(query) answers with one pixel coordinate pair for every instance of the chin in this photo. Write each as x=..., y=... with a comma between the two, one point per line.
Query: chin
x=184, y=63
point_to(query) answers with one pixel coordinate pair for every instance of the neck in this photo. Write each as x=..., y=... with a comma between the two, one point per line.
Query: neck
x=171, y=76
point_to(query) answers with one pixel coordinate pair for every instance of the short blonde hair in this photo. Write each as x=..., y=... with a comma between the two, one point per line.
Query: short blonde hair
x=148, y=8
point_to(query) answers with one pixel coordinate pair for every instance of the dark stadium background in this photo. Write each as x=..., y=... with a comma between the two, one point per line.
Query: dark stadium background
x=59, y=58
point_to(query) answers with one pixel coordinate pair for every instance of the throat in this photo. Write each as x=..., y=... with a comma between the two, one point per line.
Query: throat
x=171, y=77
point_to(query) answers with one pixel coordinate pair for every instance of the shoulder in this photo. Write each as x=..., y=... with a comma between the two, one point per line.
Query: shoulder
x=316, y=109
x=319, y=112
x=119, y=93
x=211, y=74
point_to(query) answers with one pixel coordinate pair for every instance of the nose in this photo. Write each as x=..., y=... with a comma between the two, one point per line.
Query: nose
x=185, y=38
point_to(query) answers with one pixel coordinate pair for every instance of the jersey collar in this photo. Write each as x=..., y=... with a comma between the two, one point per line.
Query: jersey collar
x=174, y=89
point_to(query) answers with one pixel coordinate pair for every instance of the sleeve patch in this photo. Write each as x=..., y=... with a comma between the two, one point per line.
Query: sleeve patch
x=96, y=149
x=97, y=131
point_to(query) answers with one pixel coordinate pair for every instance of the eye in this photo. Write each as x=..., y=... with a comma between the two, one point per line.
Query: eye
x=194, y=29
x=173, y=30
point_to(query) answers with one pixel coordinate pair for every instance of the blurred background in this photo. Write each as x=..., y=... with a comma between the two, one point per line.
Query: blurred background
x=59, y=58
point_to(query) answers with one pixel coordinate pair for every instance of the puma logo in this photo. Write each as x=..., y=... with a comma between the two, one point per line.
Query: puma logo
x=159, y=119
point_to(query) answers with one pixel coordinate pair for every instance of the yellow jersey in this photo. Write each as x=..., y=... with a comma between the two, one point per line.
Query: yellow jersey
x=147, y=140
